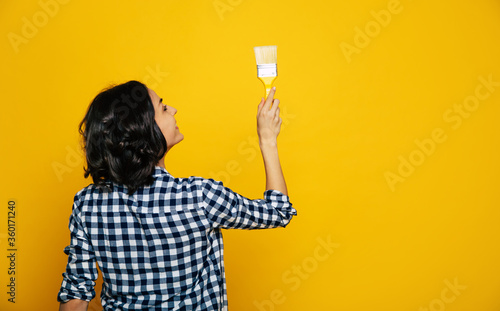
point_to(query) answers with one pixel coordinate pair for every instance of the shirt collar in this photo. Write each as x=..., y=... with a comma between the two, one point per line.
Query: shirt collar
x=160, y=171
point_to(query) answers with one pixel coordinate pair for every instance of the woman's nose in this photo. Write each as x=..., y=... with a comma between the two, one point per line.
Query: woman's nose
x=174, y=111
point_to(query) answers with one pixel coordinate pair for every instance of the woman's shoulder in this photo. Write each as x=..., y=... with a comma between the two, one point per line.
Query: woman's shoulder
x=88, y=192
x=190, y=186
x=163, y=175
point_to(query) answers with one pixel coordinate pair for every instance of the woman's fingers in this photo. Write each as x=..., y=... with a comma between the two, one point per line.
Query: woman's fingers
x=276, y=103
x=268, y=117
x=261, y=104
x=270, y=97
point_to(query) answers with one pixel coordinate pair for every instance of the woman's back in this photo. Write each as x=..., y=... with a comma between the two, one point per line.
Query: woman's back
x=162, y=246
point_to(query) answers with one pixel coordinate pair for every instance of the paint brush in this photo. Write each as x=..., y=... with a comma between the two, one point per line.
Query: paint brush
x=267, y=69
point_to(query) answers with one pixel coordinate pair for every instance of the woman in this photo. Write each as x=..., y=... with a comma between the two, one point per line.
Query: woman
x=157, y=239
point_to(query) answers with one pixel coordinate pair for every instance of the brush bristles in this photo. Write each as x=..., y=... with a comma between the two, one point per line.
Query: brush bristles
x=266, y=54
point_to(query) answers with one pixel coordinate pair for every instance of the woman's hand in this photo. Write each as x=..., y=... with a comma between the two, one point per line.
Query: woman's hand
x=268, y=120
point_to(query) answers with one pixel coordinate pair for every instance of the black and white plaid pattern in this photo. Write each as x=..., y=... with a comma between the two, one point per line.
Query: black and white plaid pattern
x=160, y=248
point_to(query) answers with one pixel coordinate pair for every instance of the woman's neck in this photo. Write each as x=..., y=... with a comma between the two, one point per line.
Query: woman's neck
x=161, y=163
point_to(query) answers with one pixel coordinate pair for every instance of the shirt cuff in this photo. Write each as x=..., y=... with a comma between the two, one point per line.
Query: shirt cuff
x=275, y=195
x=72, y=289
x=280, y=202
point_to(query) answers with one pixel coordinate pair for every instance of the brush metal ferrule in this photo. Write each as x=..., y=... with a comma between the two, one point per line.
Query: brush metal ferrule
x=267, y=70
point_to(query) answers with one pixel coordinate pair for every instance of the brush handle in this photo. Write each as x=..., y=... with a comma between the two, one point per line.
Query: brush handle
x=268, y=83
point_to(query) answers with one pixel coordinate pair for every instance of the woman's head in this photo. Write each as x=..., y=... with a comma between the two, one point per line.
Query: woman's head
x=122, y=140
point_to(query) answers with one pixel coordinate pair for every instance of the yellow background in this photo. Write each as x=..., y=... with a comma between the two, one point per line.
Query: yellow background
x=349, y=120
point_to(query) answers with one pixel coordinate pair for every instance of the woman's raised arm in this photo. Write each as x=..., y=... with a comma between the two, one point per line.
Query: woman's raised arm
x=268, y=128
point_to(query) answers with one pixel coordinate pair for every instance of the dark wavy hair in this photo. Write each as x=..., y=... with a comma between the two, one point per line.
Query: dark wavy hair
x=121, y=139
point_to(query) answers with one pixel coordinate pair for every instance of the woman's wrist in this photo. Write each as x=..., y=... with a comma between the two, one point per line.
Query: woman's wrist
x=268, y=143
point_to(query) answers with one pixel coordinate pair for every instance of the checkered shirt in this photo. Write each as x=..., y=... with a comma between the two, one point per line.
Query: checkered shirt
x=160, y=248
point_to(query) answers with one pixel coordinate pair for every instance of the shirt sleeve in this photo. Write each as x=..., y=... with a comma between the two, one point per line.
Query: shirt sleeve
x=228, y=209
x=81, y=271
